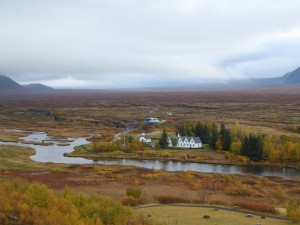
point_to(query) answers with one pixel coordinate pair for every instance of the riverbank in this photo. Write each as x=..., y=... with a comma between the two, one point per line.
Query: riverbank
x=183, y=156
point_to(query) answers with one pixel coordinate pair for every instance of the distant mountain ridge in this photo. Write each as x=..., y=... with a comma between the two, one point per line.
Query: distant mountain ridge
x=38, y=87
x=290, y=78
x=9, y=85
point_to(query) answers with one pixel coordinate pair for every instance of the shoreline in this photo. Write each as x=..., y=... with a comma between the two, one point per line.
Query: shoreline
x=265, y=164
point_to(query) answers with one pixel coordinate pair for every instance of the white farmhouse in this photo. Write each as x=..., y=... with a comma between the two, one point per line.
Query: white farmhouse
x=185, y=142
x=144, y=138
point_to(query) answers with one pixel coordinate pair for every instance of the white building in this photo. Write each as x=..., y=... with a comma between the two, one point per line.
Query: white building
x=144, y=138
x=185, y=142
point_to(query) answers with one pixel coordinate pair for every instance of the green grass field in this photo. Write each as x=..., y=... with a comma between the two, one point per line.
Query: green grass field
x=17, y=158
x=179, y=215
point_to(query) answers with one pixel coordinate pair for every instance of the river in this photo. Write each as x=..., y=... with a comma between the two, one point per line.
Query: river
x=55, y=153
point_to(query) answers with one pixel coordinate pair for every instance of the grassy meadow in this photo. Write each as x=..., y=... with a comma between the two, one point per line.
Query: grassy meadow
x=186, y=215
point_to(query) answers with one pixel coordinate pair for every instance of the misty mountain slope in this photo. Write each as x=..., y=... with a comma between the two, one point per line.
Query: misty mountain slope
x=7, y=84
x=292, y=77
x=38, y=87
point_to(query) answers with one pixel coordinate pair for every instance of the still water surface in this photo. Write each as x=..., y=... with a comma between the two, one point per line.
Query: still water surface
x=55, y=153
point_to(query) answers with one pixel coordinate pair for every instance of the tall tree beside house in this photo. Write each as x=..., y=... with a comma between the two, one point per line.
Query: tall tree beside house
x=226, y=137
x=206, y=134
x=188, y=131
x=202, y=131
x=182, y=131
x=214, y=136
x=163, y=141
x=252, y=147
x=199, y=130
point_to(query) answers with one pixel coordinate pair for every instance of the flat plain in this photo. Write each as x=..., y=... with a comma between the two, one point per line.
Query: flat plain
x=274, y=112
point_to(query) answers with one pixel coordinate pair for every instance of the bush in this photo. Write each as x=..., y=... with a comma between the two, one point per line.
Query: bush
x=134, y=192
x=56, y=170
x=116, y=153
x=167, y=199
x=293, y=212
x=256, y=206
x=165, y=154
x=129, y=201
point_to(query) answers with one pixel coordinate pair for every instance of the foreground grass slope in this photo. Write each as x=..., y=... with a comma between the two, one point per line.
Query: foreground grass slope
x=181, y=215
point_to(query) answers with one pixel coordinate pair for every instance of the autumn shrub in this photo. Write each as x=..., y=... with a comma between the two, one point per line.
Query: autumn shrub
x=168, y=199
x=134, y=192
x=129, y=201
x=139, y=152
x=280, y=195
x=293, y=212
x=196, y=186
x=256, y=205
x=150, y=153
x=165, y=154
x=134, y=147
x=105, y=147
x=116, y=153
x=35, y=204
x=240, y=189
x=56, y=170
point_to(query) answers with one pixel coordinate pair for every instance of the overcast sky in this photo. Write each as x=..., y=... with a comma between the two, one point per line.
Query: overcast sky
x=147, y=43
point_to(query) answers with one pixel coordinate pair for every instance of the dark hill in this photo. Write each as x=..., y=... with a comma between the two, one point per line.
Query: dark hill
x=38, y=87
x=292, y=77
x=7, y=84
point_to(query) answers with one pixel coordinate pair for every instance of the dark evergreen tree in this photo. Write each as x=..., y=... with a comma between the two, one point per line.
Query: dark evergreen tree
x=202, y=131
x=206, y=135
x=188, y=131
x=182, y=131
x=252, y=147
x=163, y=141
x=193, y=130
x=214, y=136
x=227, y=140
x=199, y=130
x=225, y=137
x=223, y=132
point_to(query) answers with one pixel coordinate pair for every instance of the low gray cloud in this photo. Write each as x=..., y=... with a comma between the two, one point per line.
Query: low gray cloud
x=109, y=43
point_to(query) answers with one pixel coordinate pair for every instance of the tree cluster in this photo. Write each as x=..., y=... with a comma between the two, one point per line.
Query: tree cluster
x=252, y=147
x=209, y=134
